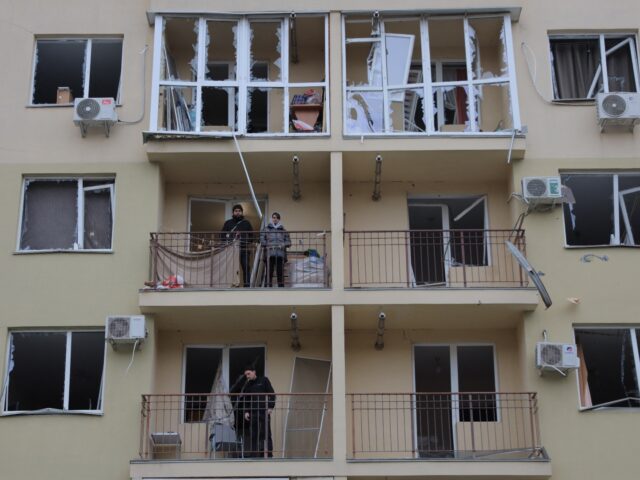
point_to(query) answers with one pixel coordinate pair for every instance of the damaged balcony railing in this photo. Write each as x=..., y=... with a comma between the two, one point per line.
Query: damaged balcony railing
x=434, y=258
x=457, y=426
x=236, y=426
x=297, y=259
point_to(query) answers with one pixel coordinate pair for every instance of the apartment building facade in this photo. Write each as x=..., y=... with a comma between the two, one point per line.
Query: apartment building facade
x=458, y=180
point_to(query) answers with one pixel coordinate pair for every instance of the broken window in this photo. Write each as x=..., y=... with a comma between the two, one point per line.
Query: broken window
x=67, y=214
x=606, y=211
x=579, y=64
x=253, y=75
x=464, y=70
x=76, y=68
x=608, y=374
x=56, y=371
x=202, y=364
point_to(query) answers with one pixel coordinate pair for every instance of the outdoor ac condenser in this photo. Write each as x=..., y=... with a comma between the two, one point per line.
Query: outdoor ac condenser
x=125, y=329
x=556, y=356
x=92, y=112
x=620, y=109
x=541, y=189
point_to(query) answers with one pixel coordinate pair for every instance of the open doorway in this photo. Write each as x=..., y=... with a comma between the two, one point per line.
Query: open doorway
x=442, y=373
x=446, y=232
x=208, y=214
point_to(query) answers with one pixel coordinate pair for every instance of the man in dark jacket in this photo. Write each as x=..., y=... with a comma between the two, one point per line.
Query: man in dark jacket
x=239, y=227
x=256, y=405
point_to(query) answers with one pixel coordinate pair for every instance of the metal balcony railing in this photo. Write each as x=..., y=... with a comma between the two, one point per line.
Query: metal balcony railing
x=434, y=258
x=457, y=426
x=236, y=426
x=220, y=260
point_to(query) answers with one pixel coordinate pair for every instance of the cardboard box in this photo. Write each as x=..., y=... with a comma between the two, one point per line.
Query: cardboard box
x=64, y=96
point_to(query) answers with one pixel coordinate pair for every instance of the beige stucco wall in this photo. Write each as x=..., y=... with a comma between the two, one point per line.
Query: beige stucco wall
x=67, y=290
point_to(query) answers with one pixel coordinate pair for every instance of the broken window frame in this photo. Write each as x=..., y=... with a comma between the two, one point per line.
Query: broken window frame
x=619, y=210
x=601, y=71
x=80, y=200
x=86, y=74
x=243, y=80
x=635, y=347
x=473, y=86
x=4, y=399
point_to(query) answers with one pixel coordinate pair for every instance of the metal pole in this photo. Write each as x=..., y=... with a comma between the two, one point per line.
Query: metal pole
x=246, y=173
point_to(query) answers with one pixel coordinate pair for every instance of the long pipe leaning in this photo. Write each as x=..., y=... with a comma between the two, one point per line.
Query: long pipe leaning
x=246, y=172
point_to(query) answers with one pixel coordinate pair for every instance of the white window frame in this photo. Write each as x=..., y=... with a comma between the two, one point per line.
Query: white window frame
x=636, y=358
x=80, y=212
x=602, y=68
x=243, y=80
x=87, y=68
x=427, y=85
x=67, y=381
x=617, y=198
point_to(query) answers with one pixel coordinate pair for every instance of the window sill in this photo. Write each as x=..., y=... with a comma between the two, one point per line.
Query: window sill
x=53, y=411
x=33, y=252
x=56, y=105
x=149, y=135
x=578, y=102
x=581, y=247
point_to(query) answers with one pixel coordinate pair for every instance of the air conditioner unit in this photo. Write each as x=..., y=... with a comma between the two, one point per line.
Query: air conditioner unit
x=541, y=189
x=92, y=112
x=556, y=356
x=124, y=329
x=619, y=109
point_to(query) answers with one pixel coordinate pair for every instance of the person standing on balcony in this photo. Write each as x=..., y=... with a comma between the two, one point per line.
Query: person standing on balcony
x=256, y=405
x=238, y=227
x=275, y=241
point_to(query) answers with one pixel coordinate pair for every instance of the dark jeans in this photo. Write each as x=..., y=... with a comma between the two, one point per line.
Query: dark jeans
x=245, y=265
x=276, y=263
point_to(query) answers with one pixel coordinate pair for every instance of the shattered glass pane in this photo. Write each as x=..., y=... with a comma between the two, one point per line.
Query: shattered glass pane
x=265, y=110
x=364, y=112
x=177, y=109
x=179, y=49
x=403, y=52
x=450, y=109
x=306, y=110
x=629, y=214
x=221, y=55
x=589, y=221
x=219, y=109
x=266, y=46
x=306, y=50
x=59, y=63
x=406, y=110
x=494, y=107
x=359, y=26
x=488, y=53
x=609, y=367
x=620, y=65
x=87, y=361
x=446, y=39
x=98, y=219
x=364, y=64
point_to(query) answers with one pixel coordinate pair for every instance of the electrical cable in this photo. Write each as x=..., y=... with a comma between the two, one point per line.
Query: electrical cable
x=133, y=354
x=143, y=52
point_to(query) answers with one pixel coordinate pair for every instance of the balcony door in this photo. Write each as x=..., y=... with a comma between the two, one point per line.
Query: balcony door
x=442, y=373
x=208, y=214
x=428, y=243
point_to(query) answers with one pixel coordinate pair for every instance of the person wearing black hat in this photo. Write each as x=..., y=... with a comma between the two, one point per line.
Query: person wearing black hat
x=254, y=409
x=239, y=227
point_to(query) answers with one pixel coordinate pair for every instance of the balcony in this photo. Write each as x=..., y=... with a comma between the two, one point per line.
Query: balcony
x=434, y=259
x=223, y=260
x=478, y=426
x=214, y=426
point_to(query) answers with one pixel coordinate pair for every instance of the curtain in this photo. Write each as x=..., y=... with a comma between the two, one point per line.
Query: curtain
x=583, y=377
x=575, y=62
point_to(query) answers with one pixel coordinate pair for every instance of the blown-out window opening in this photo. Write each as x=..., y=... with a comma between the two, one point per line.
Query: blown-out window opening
x=54, y=372
x=65, y=69
x=244, y=75
x=438, y=75
x=67, y=214
x=580, y=63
